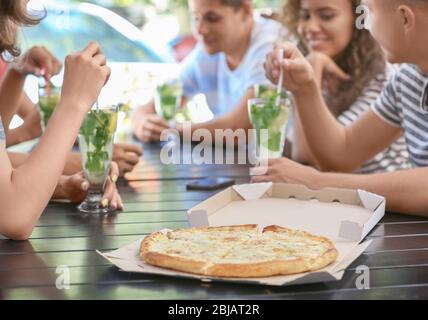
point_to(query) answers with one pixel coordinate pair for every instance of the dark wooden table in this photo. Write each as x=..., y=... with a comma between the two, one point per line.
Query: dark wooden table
x=155, y=198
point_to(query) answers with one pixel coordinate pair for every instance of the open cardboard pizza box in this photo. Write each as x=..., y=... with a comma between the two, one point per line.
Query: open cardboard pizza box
x=343, y=216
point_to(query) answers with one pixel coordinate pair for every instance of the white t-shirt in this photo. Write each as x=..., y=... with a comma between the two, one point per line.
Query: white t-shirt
x=224, y=88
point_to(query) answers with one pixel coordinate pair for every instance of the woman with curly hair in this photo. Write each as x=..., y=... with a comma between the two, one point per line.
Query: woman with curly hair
x=349, y=66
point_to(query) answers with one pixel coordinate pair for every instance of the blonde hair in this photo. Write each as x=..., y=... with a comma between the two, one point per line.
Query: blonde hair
x=363, y=59
x=13, y=14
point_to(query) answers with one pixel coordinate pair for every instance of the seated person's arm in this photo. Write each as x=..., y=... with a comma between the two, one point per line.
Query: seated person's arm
x=73, y=164
x=31, y=127
x=405, y=191
x=361, y=141
x=338, y=148
x=72, y=184
x=10, y=95
x=75, y=187
x=147, y=126
x=17, y=159
x=26, y=190
x=300, y=150
x=335, y=147
x=126, y=156
x=11, y=87
x=236, y=119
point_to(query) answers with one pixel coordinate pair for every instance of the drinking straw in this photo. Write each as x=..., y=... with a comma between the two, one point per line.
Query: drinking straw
x=281, y=78
x=48, y=86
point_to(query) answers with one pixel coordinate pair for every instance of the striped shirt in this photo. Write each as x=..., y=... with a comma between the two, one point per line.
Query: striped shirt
x=396, y=156
x=224, y=88
x=404, y=104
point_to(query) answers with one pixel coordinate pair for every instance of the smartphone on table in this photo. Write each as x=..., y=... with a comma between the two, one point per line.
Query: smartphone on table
x=209, y=184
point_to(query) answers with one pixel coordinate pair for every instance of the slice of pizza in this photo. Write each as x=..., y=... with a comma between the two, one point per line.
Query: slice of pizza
x=192, y=250
x=276, y=251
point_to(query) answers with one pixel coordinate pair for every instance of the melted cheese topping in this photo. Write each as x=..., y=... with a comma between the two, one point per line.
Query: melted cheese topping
x=240, y=247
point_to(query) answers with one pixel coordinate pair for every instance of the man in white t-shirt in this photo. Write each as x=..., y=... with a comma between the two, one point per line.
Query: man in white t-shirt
x=225, y=65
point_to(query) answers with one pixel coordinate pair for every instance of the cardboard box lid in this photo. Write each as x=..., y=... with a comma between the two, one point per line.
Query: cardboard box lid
x=351, y=214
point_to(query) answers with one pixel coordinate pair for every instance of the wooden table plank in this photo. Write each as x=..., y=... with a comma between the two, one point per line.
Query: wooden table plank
x=398, y=243
x=101, y=242
x=105, y=230
x=142, y=227
x=400, y=218
x=53, y=259
x=413, y=292
x=400, y=229
x=76, y=218
x=69, y=244
x=102, y=276
x=394, y=259
x=135, y=292
x=57, y=209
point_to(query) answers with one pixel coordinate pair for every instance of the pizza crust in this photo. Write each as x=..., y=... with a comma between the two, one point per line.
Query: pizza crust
x=174, y=263
x=270, y=253
x=271, y=268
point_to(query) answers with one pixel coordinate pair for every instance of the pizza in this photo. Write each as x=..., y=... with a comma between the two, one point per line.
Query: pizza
x=238, y=251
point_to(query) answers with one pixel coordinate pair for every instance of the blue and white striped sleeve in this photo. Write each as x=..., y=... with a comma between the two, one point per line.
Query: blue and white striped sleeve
x=387, y=105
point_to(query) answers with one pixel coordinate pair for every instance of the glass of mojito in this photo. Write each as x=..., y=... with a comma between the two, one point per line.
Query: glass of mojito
x=96, y=139
x=269, y=118
x=49, y=96
x=168, y=100
x=264, y=91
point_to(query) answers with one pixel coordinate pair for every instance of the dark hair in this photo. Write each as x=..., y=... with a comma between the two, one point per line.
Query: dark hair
x=233, y=3
x=363, y=59
x=13, y=14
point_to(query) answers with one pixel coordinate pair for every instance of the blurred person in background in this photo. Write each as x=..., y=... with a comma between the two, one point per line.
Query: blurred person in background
x=225, y=66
